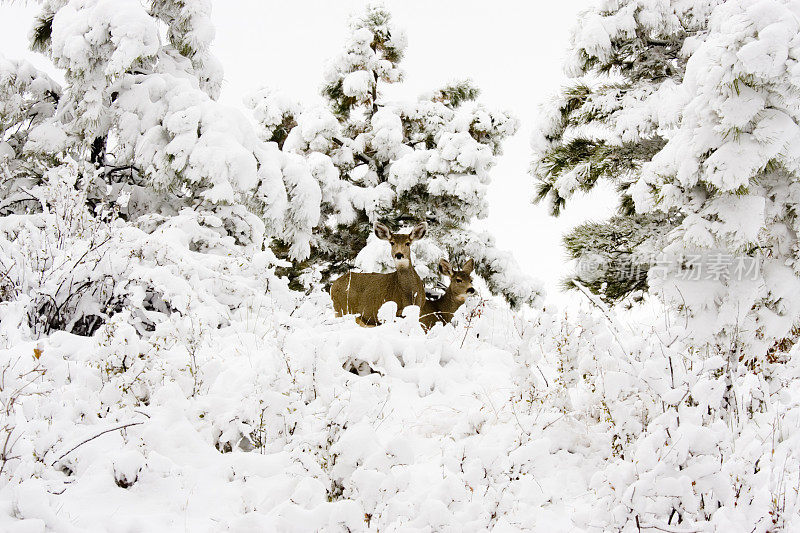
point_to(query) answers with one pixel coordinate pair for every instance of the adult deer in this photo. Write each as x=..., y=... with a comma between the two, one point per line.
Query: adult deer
x=363, y=294
x=443, y=309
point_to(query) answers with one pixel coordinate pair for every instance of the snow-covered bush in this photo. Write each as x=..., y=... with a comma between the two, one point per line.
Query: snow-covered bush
x=75, y=270
x=692, y=445
x=564, y=421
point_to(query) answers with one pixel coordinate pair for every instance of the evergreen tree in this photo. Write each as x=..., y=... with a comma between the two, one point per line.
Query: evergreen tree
x=134, y=176
x=689, y=109
x=614, y=257
x=143, y=110
x=730, y=168
x=28, y=98
x=624, y=56
x=398, y=162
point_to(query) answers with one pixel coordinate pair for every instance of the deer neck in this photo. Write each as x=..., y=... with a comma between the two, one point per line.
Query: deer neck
x=449, y=302
x=407, y=277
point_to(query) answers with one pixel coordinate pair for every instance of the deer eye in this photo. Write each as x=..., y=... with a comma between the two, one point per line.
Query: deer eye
x=459, y=280
x=391, y=242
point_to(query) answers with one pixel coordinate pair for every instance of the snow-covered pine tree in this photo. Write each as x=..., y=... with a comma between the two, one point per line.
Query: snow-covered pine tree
x=398, y=162
x=730, y=168
x=135, y=105
x=28, y=97
x=604, y=125
x=144, y=172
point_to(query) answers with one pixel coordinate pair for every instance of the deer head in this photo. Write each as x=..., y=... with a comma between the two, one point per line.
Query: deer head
x=460, y=280
x=401, y=243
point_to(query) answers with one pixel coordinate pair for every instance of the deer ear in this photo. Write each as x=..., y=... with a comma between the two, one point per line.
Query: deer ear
x=445, y=268
x=419, y=231
x=468, y=266
x=382, y=232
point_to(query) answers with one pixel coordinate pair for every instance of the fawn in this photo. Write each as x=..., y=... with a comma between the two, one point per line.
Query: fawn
x=443, y=309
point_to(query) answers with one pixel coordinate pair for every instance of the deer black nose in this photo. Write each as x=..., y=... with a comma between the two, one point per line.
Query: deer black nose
x=398, y=256
x=470, y=291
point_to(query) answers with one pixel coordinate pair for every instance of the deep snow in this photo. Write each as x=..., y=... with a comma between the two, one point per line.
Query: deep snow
x=497, y=422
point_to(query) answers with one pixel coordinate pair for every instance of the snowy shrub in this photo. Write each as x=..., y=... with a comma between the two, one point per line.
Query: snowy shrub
x=76, y=270
x=694, y=446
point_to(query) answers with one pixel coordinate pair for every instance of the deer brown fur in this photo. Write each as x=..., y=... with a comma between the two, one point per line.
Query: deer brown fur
x=443, y=309
x=363, y=294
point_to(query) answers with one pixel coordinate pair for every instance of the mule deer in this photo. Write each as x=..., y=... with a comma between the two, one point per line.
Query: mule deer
x=443, y=309
x=363, y=294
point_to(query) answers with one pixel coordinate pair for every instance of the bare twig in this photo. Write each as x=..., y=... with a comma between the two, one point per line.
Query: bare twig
x=475, y=312
x=123, y=426
x=606, y=312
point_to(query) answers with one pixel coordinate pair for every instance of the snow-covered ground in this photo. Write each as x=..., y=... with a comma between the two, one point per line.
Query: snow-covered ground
x=554, y=422
x=261, y=427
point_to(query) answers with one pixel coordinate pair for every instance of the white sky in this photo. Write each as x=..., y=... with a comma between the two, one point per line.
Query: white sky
x=513, y=50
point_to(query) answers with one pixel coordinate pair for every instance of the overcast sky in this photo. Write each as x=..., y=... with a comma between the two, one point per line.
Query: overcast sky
x=513, y=50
